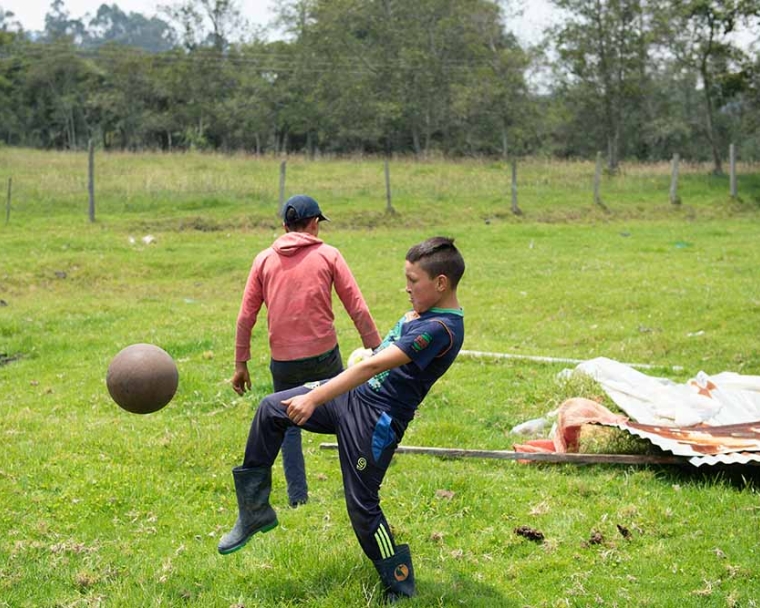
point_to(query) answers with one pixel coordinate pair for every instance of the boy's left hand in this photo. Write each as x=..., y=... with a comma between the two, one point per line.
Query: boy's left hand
x=299, y=408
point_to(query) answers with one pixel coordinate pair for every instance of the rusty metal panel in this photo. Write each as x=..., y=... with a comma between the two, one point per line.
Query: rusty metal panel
x=702, y=444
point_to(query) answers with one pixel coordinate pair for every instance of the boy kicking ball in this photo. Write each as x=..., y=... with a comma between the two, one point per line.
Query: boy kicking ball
x=368, y=407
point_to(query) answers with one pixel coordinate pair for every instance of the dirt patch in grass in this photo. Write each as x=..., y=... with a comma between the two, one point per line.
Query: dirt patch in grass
x=5, y=358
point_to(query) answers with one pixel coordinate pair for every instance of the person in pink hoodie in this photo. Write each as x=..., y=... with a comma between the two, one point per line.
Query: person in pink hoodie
x=294, y=278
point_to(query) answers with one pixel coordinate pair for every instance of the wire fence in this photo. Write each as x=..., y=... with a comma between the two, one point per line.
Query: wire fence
x=97, y=184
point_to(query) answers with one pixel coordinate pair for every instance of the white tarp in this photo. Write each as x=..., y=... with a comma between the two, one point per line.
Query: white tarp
x=722, y=399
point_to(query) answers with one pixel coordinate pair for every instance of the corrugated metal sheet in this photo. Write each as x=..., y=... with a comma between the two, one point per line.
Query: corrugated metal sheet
x=709, y=419
x=727, y=444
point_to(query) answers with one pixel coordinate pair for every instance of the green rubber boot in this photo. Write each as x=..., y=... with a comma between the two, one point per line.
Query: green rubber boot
x=397, y=574
x=255, y=514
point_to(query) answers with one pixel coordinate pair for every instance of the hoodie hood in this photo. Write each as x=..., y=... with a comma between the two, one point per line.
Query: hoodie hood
x=291, y=243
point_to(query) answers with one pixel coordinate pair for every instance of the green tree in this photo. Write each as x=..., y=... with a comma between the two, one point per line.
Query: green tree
x=8, y=23
x=603, y=54
x=345, y=46
x=207, y=22
x=119, y=102
x=9, y=43
x=491, y=106
x=390, y=73
x=111, y=25
x=57, y=85
x=245, y=115
x=698, y=35
x=59, y=25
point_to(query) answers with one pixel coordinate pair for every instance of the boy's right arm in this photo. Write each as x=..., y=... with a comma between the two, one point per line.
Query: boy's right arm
x=301, y=407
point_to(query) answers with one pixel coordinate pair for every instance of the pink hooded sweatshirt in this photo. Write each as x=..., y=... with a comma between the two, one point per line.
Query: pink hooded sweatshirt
x=294, y=278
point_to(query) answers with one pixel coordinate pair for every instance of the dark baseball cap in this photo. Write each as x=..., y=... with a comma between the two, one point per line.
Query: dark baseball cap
x=304, y=207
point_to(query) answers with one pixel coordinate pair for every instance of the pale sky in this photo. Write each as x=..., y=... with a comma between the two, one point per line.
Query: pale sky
x=31, y=13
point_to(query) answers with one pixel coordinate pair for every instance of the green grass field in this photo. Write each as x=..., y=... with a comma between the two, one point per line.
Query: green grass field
x=99, y=507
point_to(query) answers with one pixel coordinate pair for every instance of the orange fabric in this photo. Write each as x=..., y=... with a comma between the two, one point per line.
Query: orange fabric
x=535, y=445
x=572, y=414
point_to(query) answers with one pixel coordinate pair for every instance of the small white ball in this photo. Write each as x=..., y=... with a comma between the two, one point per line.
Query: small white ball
x=360, y=354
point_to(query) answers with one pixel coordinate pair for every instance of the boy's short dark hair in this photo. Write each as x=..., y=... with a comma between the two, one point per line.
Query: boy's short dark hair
x=438, y=255
x=293, y=222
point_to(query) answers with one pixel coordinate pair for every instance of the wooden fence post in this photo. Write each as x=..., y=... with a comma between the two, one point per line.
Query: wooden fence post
x=597, y=181
x=388, y=205
x=515, y=209
x=674, y=198
x=91, y=178
x=283, y=166
x=8, y=202
x=732, y=170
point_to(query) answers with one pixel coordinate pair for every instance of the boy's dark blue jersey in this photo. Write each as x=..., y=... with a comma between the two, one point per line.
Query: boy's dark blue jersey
x=432, y=341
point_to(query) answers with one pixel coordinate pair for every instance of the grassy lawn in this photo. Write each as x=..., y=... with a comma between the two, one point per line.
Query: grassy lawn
x=99, y=507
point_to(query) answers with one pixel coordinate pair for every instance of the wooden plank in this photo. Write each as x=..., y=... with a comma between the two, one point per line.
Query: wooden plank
x=554, y=457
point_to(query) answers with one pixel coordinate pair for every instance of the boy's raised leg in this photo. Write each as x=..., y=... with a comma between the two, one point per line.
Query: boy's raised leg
x=255, y=514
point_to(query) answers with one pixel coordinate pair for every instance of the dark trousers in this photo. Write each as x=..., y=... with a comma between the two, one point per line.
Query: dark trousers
x=290, y=374
x=367, y=439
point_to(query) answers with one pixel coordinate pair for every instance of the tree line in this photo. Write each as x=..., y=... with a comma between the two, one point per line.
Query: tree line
x=637, y=79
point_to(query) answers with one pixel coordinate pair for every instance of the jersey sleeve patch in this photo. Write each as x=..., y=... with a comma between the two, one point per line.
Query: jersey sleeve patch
x=421, y=342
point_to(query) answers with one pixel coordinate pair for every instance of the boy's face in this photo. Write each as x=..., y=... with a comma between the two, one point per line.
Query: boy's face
x=424, y=291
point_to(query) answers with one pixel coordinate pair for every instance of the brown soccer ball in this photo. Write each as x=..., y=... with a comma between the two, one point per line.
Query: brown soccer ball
x=142, y=378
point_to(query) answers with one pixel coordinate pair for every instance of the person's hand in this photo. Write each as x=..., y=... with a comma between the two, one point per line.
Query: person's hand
x=300, y=408
x=241, y=380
